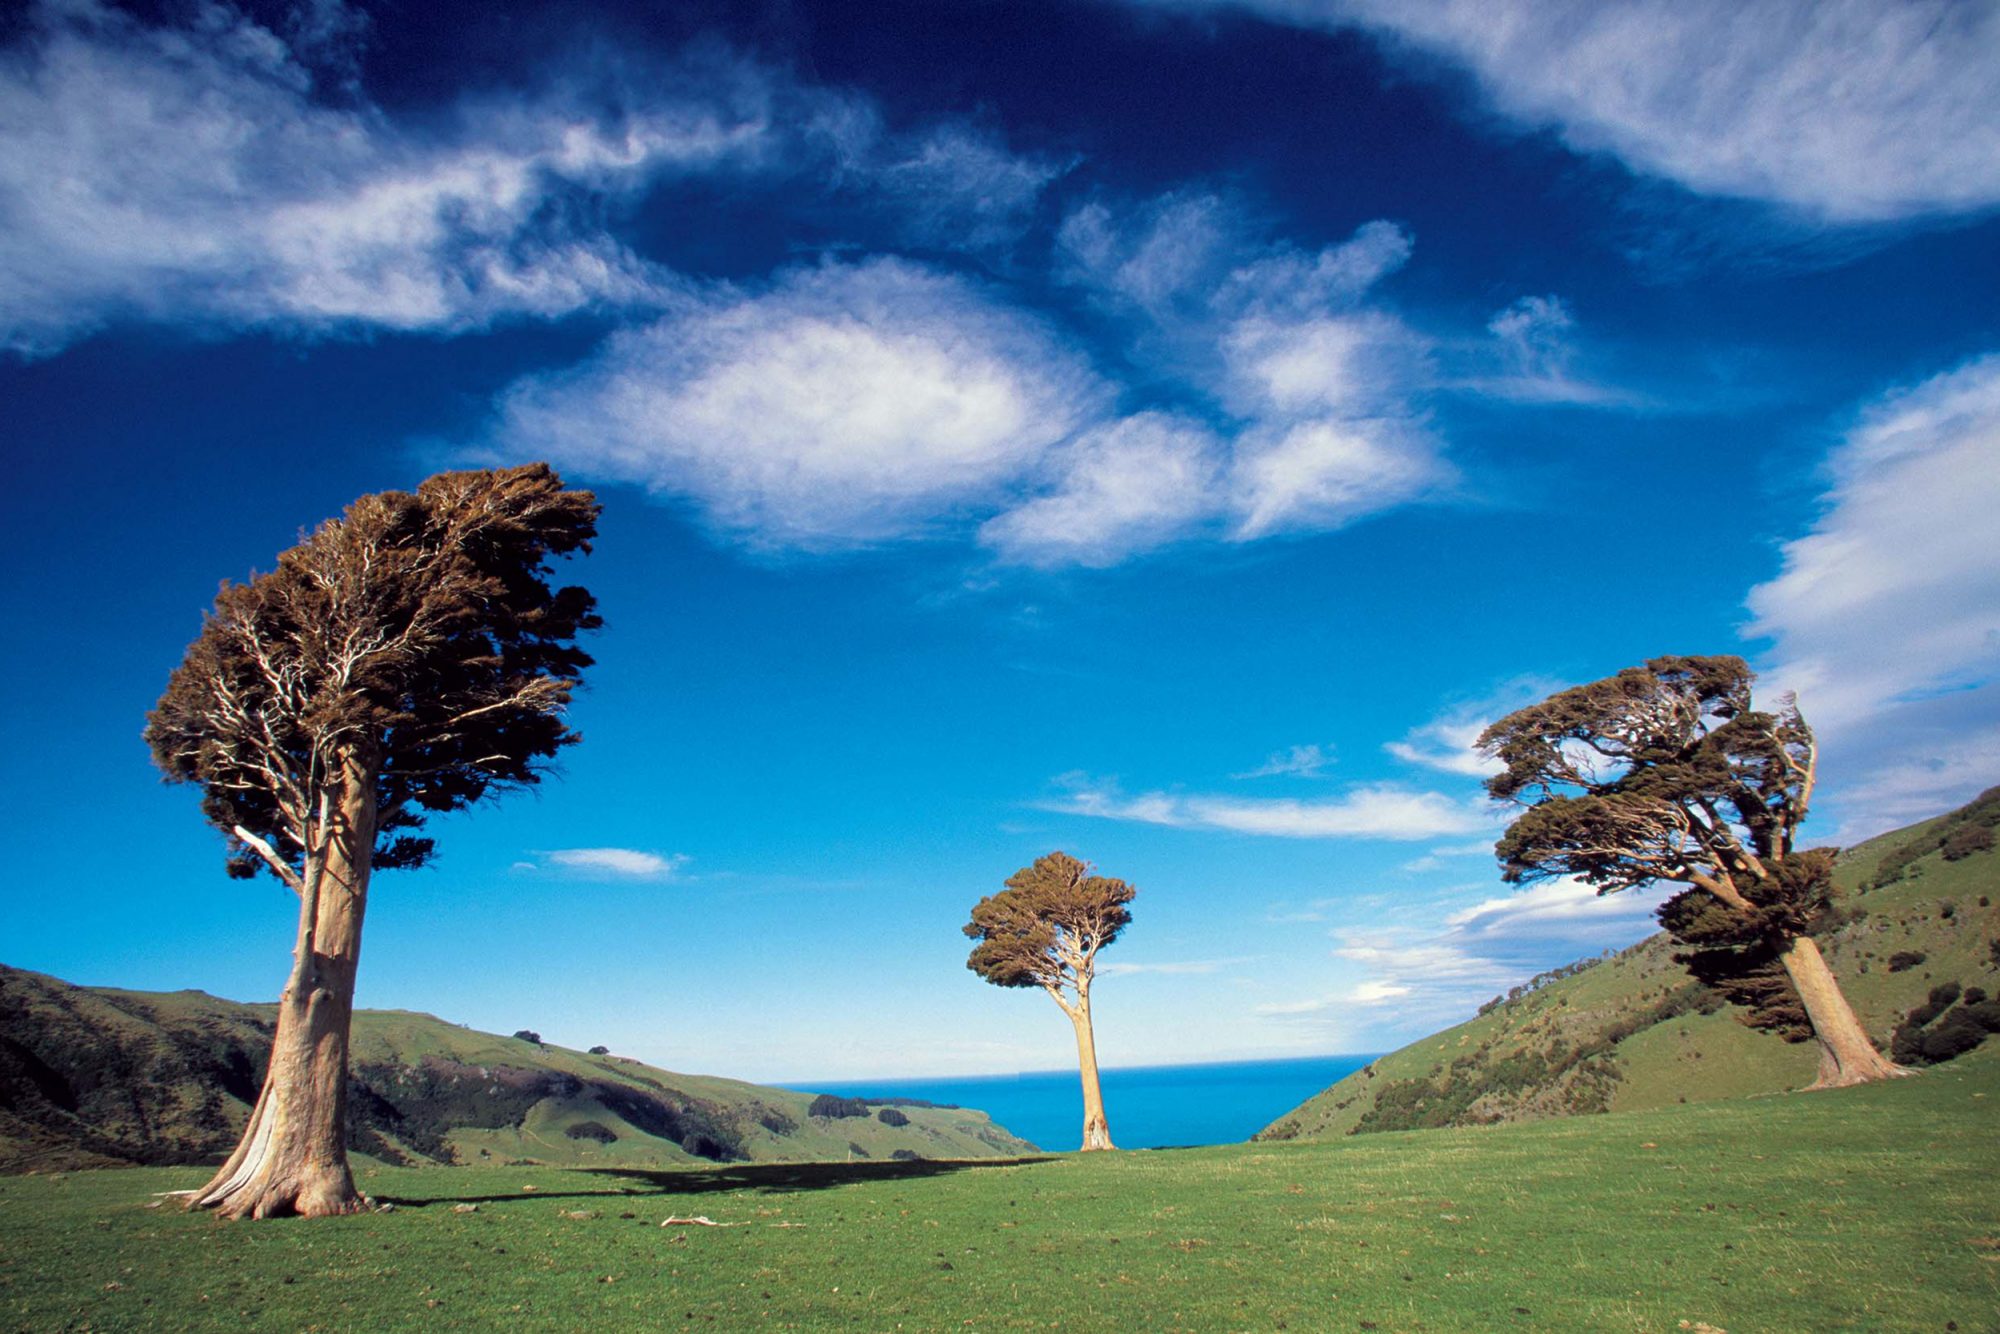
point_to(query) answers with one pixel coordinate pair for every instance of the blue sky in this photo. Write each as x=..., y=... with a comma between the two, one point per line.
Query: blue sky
x=1160, y=431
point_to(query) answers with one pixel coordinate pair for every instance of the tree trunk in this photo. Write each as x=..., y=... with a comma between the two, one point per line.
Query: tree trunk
x=1096, y=1131
x=293, y=1155
x=1846, y=1056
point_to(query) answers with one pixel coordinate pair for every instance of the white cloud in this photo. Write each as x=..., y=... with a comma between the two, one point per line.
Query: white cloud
x=197, y=175
x=1325, y=473
x=189, y=174
x=1852, y=111
x=1121, y=488
x=1183, y=968
x=1364, y=812
x=1886, y=616
x=1448, y=742
x=847, y=404
x=623, y=863
x=1296, y=761
x=1566, y=906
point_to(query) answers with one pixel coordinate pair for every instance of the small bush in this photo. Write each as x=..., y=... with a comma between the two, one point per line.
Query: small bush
x=1966, y=840
x=907, y=1156
x=706, y=1146
x=855, y=1150
x=889, y=1116
x=595, y=1131
x=827, y=1105
x=1902, y=961
x=528, y=1035
x=600, y=1051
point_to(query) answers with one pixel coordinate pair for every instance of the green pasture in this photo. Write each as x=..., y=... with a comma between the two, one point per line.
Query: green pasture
x=1870, y=1209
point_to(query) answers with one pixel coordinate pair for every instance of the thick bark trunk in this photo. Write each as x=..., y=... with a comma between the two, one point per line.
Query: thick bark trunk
x=293, y=1155
x=1846, y=1056
x=1096, y=1131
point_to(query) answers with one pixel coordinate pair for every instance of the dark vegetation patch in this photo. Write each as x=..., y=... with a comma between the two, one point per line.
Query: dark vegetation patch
x=889, y=1116
x=1967, y=830
x=1950, y=1022
x=594, y=1131
x=1559, y=1079
x=834, y=1108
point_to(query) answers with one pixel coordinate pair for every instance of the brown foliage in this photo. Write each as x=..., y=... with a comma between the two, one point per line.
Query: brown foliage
x=418, y=631
x=1046, y=927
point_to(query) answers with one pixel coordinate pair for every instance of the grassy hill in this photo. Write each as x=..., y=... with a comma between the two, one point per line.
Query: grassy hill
x=1873, y=1208
x=1919, y=909
x=93, y=1076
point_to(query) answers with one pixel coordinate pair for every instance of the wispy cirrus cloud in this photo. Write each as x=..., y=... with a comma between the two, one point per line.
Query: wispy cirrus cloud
x=1383, y=812
x=1308, y=761
x=1848, y=111
x=1885, y=618
x=219, y=175
x=1175, y=968
x=616, y=863
x=1448, y=743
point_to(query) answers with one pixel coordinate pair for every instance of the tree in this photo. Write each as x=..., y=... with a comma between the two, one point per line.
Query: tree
x=1045, y=930
x=405, y=659
x=1667, y=773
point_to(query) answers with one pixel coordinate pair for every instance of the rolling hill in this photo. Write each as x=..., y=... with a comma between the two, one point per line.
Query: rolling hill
x=1917, y=926
x=94, y=1076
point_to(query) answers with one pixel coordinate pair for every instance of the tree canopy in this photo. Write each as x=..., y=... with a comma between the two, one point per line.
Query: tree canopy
x=1047, y=926
x=1661, y=772
x=420, y=630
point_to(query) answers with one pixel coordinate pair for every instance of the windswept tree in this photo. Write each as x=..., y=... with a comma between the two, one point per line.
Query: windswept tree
x=1045, y=930
x=1667, y=773
x=405, y=659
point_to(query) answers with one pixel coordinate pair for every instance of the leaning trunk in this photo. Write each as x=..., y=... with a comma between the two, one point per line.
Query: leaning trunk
x=1096, y=1131
x=293, y=1155
x=1846, y=1056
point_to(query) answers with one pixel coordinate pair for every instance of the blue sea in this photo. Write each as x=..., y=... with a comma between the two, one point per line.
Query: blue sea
x=1149, y=1107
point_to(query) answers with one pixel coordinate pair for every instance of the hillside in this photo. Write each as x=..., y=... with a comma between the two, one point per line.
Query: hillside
x=93, y=1076
x=1918, y=908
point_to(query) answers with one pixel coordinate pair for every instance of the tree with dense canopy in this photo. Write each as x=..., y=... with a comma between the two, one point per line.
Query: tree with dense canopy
x=1667, y=773
x=1045, y=930
x=405, y=659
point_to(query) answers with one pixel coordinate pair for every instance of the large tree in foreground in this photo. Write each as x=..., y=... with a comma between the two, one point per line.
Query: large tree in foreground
x=1045, y=930
x=407, y=658
x=1667, y=773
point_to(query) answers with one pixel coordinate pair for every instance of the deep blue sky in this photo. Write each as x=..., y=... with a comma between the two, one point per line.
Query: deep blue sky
x=1162, y=431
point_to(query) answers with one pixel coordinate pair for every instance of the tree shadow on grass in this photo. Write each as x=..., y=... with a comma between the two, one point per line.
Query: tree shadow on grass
x=761, y=1178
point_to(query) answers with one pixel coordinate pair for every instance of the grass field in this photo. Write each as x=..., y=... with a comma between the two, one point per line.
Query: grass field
x=1875, y=1208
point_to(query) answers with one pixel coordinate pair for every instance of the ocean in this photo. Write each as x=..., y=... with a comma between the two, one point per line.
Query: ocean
x=1149, y=1107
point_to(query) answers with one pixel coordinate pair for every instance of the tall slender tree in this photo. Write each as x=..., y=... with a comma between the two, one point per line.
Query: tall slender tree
x=1667, y=773
x=1045, y=930
x=407, y=658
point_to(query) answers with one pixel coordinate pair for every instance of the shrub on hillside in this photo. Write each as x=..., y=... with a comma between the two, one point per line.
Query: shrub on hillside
x=600, y=1051
x=594, y=1131
x=528, y=1035
x=1935, y=1032
x=1902, y=961
x=827, y=1105
x=907, y=1156
x=1966, y=840
x=889, y=1116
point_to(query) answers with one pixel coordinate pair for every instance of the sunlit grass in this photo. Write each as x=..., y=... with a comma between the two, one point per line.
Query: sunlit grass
x=1871, y=1208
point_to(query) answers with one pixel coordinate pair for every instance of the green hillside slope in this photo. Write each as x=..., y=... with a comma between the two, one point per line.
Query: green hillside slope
x=1920, y=909
x=94, y=1076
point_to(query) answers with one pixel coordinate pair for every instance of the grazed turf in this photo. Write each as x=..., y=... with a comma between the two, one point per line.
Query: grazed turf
x=1871, y=1208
